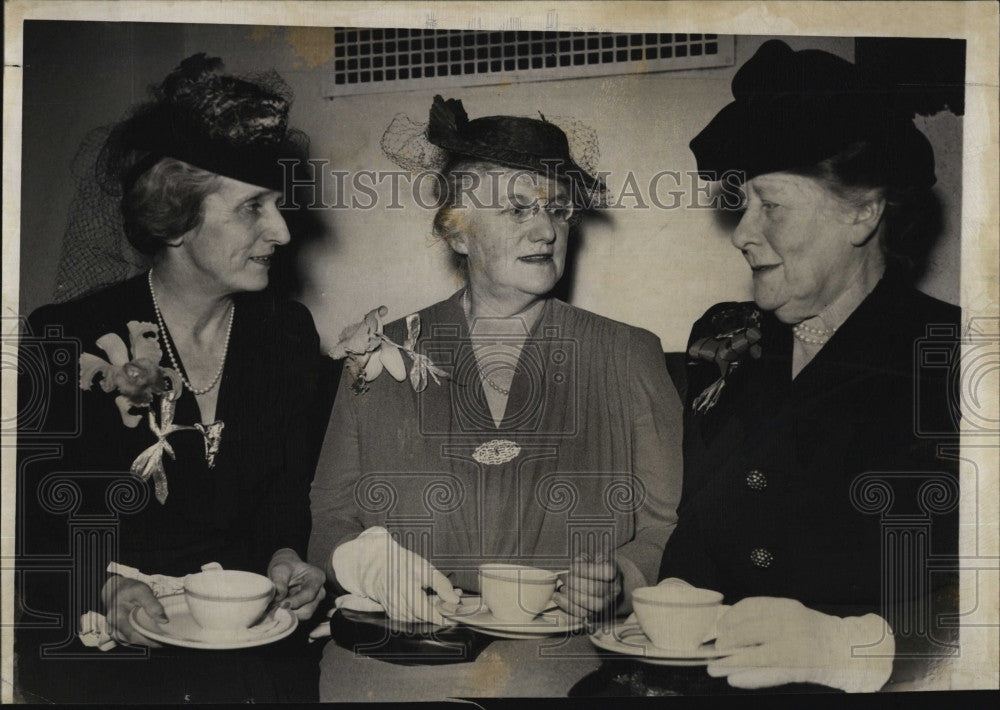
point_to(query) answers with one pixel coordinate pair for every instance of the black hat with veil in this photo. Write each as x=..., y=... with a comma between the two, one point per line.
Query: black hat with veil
x=232, y=126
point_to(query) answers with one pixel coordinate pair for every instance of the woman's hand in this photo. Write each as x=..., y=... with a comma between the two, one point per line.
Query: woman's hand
x=120, y=595
x=776, y=641
x=299, y=584
x=591, y=588
x=376, y=567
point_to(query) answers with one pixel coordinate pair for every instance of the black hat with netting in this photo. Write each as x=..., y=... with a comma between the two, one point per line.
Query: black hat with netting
x=232, y=126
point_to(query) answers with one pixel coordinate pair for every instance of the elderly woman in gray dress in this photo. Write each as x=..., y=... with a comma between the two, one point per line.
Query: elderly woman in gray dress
x=530, y=431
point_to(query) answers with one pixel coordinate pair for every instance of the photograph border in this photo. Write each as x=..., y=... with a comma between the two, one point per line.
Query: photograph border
x=976, y=22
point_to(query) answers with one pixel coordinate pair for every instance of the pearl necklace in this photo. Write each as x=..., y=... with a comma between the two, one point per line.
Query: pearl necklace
x=497, y=387
x=170, y=350
x=813, y=336
x=467, y=307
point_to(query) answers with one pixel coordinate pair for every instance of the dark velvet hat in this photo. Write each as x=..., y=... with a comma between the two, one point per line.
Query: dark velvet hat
x=792, y=110
x=511, y=141
x=217, y=122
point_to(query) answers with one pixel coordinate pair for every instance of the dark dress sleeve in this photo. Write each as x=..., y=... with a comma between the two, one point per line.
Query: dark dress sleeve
x=686, y=555
x=45, y=424
x=65, y=501
x=924, y=618
x=284, y=518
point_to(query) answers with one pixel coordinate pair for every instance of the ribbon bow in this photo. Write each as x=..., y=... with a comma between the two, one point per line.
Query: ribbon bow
x=422, y=365
x=726, y=349
x=150, y=462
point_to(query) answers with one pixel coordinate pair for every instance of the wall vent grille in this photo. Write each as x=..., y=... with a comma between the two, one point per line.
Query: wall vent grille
x=374, y=60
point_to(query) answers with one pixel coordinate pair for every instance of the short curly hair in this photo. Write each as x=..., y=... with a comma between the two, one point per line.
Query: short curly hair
x=165, y=202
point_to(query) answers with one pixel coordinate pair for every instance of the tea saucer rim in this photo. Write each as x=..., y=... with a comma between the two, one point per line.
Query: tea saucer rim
x=535, y=628
x=605, y=641
x=175, y=601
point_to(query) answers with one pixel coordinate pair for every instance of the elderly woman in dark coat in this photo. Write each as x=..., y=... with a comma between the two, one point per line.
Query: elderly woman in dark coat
x=179, y=437
x=808, y=472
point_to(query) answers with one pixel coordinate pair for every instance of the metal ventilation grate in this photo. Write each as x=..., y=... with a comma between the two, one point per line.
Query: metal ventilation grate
x=368, y=60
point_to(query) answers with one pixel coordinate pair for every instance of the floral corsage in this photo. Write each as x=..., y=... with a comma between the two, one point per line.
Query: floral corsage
x=134, y=373
x=734, y=332
x=368, y=351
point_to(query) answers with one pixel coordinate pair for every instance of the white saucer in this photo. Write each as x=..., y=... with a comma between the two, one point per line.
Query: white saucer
x=472, y=612
x=183, y=630
x=629, y=640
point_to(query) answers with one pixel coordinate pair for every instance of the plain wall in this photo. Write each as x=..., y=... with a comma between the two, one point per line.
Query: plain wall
x=656, y=268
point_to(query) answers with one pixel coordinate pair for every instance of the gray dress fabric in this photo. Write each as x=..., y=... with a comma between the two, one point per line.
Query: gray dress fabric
x=595, y=416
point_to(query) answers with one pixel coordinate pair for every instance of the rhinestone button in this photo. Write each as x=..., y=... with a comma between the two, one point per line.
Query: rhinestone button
x=761, y=557
x=756, y=480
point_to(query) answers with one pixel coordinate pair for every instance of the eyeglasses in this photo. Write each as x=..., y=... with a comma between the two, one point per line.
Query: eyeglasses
x=558, y=211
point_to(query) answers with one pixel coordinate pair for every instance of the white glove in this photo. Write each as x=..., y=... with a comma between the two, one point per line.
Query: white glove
x=375, y=566
x=775, y=641
x=354, y=602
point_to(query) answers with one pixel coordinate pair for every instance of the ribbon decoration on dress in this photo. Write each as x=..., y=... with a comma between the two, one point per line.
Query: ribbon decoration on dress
x=422, y=365
x=150, y=462
x=737, y=332
x=367, y=352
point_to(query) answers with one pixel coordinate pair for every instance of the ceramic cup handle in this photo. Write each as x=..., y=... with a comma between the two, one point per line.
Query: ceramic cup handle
x=713, y=634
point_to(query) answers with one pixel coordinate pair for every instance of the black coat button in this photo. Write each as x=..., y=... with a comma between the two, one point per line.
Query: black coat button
x=761, y=557
x=756, y=480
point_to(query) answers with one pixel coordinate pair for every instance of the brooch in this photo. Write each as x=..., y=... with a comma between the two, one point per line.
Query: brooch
x=133, y=374
x=496, y=452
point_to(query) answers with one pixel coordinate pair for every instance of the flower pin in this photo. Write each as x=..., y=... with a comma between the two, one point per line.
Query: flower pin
x=136, y=379
x=368, y=351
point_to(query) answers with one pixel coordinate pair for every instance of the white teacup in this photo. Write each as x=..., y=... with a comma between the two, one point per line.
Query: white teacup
x=227, y=599
x=676, y=616
x=516, y=592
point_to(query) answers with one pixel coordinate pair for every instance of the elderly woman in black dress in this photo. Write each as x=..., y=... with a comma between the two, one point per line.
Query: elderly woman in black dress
x=806, y=472
x=189, y=427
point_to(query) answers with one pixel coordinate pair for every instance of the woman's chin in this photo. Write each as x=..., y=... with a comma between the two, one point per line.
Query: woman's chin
x=764, y=302
x=780, y=310
x=254, y=284
x=538, y=287
x=542, y=290
x=769, y=299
